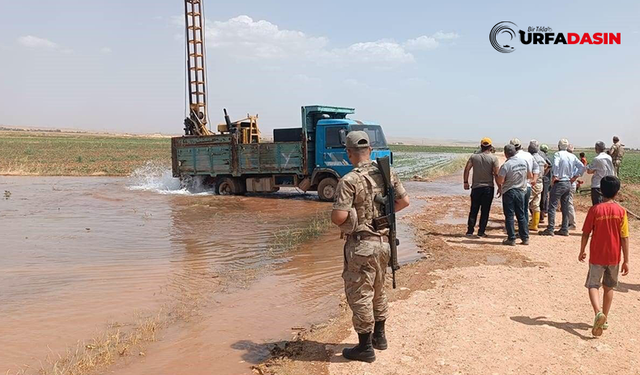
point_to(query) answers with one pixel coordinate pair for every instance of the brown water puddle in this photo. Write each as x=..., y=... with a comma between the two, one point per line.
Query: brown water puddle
x=80, y=253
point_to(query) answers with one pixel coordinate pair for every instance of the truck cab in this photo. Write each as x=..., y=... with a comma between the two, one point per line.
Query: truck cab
x=328, y=127
x=330, y=143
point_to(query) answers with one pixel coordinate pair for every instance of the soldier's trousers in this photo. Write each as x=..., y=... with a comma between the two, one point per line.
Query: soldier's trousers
x=365, y=267
x=616, y=166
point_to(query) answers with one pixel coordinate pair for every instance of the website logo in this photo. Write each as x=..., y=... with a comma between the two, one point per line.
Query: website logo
x=506, y=34
x=501, y=31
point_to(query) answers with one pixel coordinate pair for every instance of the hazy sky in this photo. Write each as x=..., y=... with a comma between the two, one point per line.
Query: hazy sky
x=420, y=68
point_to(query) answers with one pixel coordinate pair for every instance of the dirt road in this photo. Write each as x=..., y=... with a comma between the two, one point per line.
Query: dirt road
x=477, y=307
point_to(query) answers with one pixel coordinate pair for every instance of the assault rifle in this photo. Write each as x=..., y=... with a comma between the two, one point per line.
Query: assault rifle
x=388, y=221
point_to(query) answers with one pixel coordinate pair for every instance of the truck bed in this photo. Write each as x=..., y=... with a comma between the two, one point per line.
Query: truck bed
x=220, y=155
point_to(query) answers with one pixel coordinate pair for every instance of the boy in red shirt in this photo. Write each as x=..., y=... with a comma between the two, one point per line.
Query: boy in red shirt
x=610, y=227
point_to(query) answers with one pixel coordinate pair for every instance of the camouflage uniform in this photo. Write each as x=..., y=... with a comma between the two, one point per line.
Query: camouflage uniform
x=617, y=152
x=366, y=251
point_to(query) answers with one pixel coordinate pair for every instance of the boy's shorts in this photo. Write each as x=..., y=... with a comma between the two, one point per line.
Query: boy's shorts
x=599, y=275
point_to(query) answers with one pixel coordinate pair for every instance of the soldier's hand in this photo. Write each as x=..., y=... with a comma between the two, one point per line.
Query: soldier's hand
x=466, y=186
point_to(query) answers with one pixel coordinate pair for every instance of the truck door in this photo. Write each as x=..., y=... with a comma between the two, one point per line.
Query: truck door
x=332, y=151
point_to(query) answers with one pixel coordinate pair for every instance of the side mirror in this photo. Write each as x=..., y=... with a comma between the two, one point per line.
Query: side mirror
x=343, y=137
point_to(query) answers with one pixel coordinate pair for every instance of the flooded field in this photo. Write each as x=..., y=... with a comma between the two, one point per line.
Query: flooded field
x=423, y=164
x=83, y=255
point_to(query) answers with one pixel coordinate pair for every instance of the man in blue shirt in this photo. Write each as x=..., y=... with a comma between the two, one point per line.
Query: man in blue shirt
x=565, y=170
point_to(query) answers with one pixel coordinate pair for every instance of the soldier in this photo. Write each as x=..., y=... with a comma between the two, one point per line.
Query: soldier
x=616, y=152
x=366, y=250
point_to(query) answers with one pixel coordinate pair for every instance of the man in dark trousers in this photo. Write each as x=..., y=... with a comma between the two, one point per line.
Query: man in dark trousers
x=485, y=167
x=512, y=177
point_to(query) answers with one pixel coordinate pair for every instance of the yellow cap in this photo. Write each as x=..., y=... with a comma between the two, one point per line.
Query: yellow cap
x=486, y=141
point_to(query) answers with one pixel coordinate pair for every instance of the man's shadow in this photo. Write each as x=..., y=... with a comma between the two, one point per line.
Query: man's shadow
x=299, y=350
x=565, y=326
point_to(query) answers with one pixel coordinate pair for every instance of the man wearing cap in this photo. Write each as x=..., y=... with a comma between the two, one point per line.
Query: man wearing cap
x=485, y=167
x=616, y=152
x=531, y=180
x=512, y=179
x=566, y=168
x=546, y=182
x=366, y=250
x=536, y=189
x=601, y=165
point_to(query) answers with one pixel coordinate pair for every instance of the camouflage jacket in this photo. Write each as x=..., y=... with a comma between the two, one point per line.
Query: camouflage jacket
x=358, y=189
x=617, y=151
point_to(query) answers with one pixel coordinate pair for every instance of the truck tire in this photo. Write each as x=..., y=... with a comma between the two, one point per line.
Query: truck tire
x=226, y=186
x=327, y=189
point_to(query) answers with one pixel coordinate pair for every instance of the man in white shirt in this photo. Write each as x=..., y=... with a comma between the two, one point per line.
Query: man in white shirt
x=531, y=178
x=601, y=165
x=566, y=169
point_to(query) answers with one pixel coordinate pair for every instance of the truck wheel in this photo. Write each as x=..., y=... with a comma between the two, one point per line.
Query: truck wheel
x=327, y=189
x=226, y=186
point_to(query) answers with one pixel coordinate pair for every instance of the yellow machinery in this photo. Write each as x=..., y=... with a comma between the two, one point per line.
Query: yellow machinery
x=246, y=129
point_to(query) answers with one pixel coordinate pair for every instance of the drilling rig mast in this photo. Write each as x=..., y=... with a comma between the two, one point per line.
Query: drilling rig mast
x=196, y=121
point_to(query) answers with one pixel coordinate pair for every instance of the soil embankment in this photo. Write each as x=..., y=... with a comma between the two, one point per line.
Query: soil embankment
x=474, y=306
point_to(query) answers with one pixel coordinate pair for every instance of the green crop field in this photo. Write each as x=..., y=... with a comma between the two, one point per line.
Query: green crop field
x=60, y=154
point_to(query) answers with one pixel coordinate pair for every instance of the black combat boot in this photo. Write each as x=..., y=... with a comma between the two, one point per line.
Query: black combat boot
x=363, y=351
x=379, y=340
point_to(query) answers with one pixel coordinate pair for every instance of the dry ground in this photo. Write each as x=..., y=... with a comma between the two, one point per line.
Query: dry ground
x=477, y=307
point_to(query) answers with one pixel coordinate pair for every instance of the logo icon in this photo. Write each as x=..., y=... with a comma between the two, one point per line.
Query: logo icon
x=503, y=29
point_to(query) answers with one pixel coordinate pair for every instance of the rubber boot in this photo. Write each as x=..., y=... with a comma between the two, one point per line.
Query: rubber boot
x=363, y=351
x=379, y=340
x=535, y=220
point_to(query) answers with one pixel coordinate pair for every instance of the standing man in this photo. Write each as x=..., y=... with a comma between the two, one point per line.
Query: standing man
x=536, y=189
x=485, y=167
x=546, y=182
x=601, y=165
x=533, y=168
x=566, y=169
x=574, y=188
x=617, y=152
x=366, y=250
x=512, y=178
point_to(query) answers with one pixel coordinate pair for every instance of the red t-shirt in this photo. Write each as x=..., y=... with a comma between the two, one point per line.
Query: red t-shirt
x=608, y=222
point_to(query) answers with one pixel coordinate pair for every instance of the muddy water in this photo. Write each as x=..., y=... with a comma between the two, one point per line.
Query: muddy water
x=79, y=254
